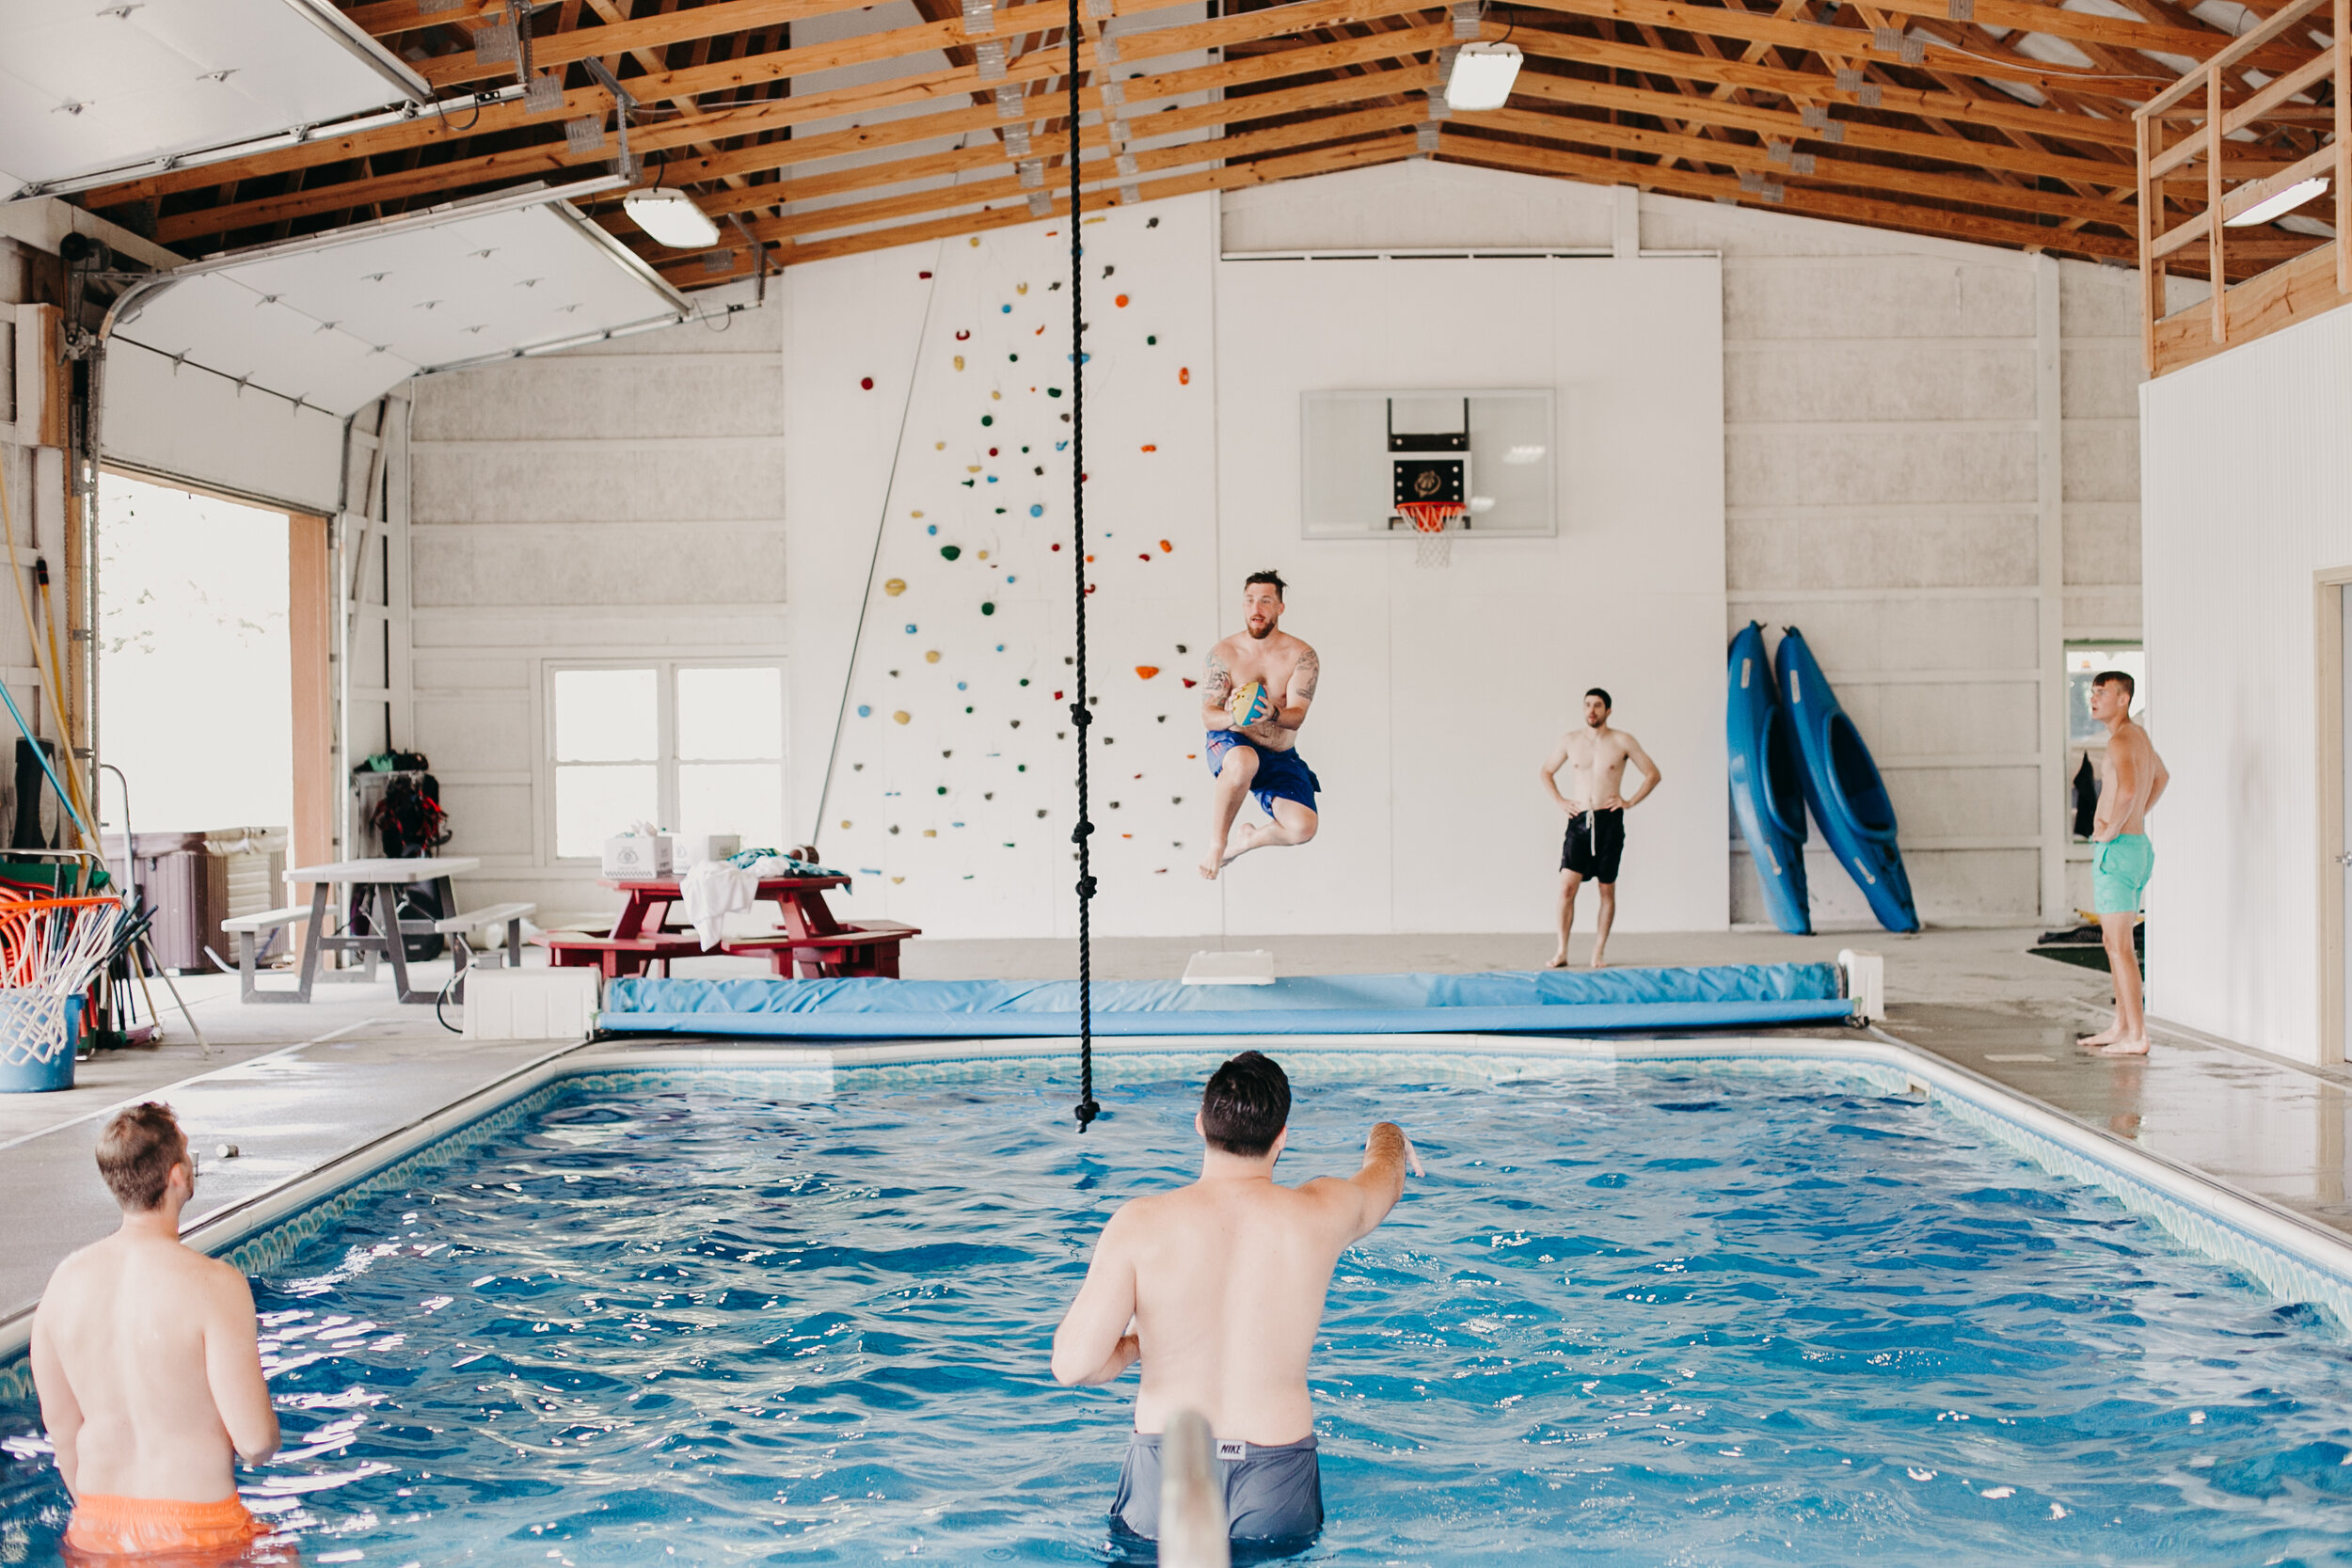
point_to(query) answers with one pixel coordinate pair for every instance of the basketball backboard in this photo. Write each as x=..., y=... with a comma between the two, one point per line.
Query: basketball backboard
x=1363, y=453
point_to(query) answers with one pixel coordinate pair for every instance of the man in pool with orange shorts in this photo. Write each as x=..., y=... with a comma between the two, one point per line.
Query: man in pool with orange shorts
x=150, y=1378
x=1217, y=1290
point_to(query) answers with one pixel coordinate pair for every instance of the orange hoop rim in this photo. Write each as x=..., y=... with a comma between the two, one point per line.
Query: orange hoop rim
x=1431, y=516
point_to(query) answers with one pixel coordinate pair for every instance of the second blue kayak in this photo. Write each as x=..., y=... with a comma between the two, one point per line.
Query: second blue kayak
x=1843, y=786
x=1766, y=782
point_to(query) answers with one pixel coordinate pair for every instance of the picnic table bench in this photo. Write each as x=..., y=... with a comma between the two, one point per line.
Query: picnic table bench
x=812, y=943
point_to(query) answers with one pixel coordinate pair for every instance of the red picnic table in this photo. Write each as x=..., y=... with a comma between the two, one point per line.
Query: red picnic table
x=812, y=942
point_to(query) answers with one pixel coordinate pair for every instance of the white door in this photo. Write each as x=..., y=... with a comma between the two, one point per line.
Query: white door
x=2344, y=867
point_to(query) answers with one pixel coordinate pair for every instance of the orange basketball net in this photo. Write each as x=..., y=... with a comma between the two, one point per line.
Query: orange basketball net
x=1432, y=520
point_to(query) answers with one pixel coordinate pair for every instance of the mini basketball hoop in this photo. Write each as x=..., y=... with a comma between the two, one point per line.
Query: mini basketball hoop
x=1435, y=524
x=51, y=950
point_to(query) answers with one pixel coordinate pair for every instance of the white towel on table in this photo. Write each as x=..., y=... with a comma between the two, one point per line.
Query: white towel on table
x=712, y=891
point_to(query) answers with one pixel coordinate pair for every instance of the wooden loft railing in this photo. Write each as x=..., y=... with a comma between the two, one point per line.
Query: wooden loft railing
x=2279, y=278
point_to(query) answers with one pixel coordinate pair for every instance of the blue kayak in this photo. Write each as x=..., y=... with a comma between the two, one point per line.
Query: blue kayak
x=1843, y=786
x=1766, y=782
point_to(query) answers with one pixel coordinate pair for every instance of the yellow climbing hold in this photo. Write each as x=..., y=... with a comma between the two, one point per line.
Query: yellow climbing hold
x=845, y=821
x=931, y=658
x=894, y=587
x=958, y=361
x=939, y=446
x=982, y=555
x=1021, y=288
x=996, y=396
x=901, y=716
x=930, y=832
x=914, y=514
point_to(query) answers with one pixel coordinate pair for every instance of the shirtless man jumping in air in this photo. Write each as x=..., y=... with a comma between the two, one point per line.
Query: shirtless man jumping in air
x=2131, y=780
x=1217, y=1290
x=1260, y=757
x=1596, y=840
x=145, y=1360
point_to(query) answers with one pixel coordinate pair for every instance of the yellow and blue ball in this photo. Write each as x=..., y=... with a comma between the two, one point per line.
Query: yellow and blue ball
x=1248, y=703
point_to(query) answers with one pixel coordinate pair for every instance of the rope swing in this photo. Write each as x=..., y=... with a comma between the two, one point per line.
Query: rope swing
x=1079, y=717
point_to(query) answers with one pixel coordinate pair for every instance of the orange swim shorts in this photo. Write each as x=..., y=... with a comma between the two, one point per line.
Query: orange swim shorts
x=166, y=1528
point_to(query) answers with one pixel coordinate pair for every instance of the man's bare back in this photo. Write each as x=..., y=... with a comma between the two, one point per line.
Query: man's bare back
x=144, y=1354
x=1218, y=1288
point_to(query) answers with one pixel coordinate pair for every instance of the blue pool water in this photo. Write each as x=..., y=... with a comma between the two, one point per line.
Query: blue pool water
x=1658, y=1315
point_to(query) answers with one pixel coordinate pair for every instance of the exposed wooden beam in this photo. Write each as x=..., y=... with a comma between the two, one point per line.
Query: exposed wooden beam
x=927, y=86
x=1847, y=132
x=1993, y=110
x=1830, y=204
x=1263, y=171
x=1876, y=177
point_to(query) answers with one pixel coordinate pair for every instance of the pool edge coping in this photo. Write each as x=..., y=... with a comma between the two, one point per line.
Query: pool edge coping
x=2306, y=1260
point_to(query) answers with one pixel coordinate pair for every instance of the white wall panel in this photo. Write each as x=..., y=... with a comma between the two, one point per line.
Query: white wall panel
x=2247, y=476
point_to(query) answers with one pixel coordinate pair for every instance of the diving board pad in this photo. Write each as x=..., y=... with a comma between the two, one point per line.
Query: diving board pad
x=1539, y=1002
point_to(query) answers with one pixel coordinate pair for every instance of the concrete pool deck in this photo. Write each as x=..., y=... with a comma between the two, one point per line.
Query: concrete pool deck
x=295, y=1087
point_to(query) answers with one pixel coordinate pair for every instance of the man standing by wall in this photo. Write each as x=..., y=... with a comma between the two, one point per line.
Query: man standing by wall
x=1596, y=755
x=2131, y=778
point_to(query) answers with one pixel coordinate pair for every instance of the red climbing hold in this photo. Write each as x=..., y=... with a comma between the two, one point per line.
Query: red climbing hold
x=1057, y=696
x=866, y=382
x=1190, y=682
x=1166, y=549
x=1183, y=376
x=1121, y=302
x=1150, y=447
x=922, y=274
x=963, y=336
x=1058, y=547
x=1143, y=555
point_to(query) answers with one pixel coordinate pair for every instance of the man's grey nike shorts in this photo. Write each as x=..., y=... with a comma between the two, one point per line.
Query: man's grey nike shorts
x=1271, y=1492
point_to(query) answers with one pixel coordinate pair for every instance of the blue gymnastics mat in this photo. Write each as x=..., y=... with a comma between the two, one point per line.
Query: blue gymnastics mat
x=1544, y=1002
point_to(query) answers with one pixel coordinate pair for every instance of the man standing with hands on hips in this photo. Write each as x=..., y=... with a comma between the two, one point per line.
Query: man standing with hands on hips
x=1595, y=755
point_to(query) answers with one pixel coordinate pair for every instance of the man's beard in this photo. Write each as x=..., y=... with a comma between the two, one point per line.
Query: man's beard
x=1262, y=634
x=1593, y=722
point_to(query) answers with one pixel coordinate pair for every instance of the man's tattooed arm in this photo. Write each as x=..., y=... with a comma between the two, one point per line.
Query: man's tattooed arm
x=1214, y=689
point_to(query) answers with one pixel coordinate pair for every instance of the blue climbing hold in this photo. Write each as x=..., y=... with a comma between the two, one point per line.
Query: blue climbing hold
x=931, y=529
x=864, y=712
x=910, y=628
x=959, y=686
x=1036, y=509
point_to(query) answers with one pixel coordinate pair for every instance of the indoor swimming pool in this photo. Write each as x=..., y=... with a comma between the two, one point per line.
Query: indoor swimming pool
x=1657, y=1312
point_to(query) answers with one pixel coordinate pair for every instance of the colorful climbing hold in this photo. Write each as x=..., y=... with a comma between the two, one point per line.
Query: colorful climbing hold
x=1036, y=509
x=949, y=552
x=910, y=628
x=1189, y=681
x=988, y=419
x=1008, y=309
x=930, y=655
x=1183, y=376
x=1025, y=680
x=1121, y=302
x=866, y=382
x=1166, y=549
x=1147, y=671
x=963, y=334
x=958, y=361
x=1149, y=447
x=1154, y=339
x=1053, y=392
x=1143, y=555
x=988, y=607
x=931, y=529
x=983, y=555
x=864, y=711
x=900, y=716
x=918, y=274
x=992, y=451
x=894, y=587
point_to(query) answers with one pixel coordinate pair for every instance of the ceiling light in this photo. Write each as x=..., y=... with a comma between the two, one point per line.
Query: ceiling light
x=1482, y=77
x=2284, y=202
x=671, y=219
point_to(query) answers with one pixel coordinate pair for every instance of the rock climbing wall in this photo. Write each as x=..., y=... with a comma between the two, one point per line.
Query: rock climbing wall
x=950, y=792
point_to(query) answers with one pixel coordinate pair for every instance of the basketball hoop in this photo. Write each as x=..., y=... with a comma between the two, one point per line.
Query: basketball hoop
x=51, y=950
x=1435, y=523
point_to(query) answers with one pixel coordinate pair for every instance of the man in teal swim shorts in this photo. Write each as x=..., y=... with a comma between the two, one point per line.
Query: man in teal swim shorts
x=2131, y=778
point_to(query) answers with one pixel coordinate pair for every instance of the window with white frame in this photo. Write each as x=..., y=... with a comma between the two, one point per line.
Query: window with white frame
x=687, y=745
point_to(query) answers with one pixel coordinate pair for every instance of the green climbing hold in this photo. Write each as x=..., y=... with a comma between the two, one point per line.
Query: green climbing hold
x=1150, y=340
x=943, y=789
x=1025, y=680
x=988, y=607
x=948, y=552
x=988, y=419
x=1053, y=392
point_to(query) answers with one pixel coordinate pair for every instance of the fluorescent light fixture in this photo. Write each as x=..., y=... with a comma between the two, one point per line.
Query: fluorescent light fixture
x=671, y=219
x=1482, y=77
x=1520, y=456
x=2279, y=204
x=1481, y=505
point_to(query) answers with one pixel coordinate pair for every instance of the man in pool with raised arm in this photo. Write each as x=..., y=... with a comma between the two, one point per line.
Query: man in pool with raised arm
x=1217, y=1288
x=150, y=1378
x=1259, y=681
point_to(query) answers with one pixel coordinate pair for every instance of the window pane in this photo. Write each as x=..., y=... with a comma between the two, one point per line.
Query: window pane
x=593, y=804
x=730, y=713
x=742, y=798
x=605, y=716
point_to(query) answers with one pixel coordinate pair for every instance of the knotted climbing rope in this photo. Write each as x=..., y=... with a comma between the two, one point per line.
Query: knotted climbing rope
x=1079, y=716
